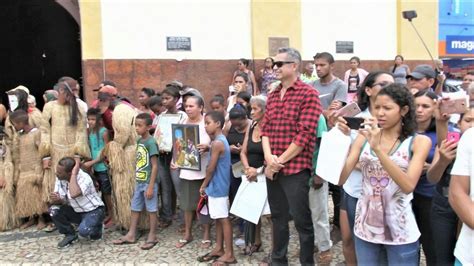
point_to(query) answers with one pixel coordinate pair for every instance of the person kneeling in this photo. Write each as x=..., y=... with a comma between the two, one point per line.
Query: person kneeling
x=75, y=201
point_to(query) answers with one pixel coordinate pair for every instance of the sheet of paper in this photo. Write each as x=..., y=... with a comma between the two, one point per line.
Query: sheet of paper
x=332, y=155
x=238, y=169
x=250, y=199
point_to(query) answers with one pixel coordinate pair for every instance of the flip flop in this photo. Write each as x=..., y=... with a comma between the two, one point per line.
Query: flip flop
x=149, y=245
x=207, y=257
x=122, y=241
x=183, y=242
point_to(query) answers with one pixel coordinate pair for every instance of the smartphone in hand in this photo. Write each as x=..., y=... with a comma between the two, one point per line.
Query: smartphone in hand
x=453, y=137
x=354, y=122
x=349, y=110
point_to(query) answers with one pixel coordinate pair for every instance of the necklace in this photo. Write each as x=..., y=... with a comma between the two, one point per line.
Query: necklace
x=393, y=146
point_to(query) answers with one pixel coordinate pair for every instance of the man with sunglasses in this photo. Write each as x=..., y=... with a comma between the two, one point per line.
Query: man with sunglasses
x=421, y=79
x=288, y=140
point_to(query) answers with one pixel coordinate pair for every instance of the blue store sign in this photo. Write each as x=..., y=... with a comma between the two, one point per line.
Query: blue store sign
x=460, y=44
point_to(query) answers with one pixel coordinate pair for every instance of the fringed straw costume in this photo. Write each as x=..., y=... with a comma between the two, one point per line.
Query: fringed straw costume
x=60, y=139
x=28, y=195
x=8, y=220
x=120, y=153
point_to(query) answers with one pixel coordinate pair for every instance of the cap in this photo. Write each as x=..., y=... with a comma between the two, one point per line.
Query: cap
x=422, y=71
x=21, y=87
x=175, y=83
x=190, y=91
x=109, y=90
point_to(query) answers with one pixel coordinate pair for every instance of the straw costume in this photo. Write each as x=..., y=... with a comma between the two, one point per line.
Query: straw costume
x=120, y=153
x=8, y=220
x=11, y=137
x=28, y=195
x=60, y=139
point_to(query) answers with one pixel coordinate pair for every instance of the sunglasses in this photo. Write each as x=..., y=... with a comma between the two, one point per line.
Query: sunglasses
x=382, y=84
x=279, y=64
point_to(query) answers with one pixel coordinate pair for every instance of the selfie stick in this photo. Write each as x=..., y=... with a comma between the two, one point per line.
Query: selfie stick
x=417, y=33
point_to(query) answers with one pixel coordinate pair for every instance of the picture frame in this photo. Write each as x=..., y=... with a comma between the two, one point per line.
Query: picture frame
x=185, y=141
x=163, y=133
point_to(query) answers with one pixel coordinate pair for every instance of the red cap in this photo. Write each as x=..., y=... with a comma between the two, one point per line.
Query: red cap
x=109, y=90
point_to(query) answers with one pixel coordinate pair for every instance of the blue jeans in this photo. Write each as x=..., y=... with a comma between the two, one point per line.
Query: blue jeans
x=370, y=253
x=90, y=223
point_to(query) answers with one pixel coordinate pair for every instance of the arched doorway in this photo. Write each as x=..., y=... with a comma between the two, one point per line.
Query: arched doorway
x=40, y=43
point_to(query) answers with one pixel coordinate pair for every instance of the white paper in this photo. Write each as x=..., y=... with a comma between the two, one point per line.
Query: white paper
x=250, y=199
x=332, y=155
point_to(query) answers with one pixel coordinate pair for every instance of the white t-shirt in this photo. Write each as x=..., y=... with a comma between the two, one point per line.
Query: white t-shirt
x=353, y=185
x=464, y=166
x=203, y=139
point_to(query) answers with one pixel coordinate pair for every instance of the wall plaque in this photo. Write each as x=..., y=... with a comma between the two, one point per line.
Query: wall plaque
x=274, y=43
x=178, y=43
x=344, y=47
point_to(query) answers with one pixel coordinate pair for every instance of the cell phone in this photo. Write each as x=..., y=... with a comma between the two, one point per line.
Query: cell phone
x=349, y=110
x=453, y=137
x=454, y=106
x=354, y=122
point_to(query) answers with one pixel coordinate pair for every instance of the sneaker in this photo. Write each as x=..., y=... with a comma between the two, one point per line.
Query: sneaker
x=68, y=240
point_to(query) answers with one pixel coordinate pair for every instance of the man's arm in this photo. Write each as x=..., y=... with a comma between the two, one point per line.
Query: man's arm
x=217, y=149
x=74, y=188
x=460, y=200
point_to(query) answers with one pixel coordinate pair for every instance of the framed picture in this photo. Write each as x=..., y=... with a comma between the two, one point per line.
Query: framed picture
x=163, y=134
x=185, y=152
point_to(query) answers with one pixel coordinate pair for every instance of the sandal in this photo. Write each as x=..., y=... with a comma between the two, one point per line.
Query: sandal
x=249, y=250
x=207, y=257
x=149, y=245
x=122, y=241
x=206, y=243
x=221, y=262
x=325, y=257
x=49, y=228
x=183, y=242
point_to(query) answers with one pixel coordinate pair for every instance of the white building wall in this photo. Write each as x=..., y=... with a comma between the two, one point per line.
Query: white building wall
x=370, y=24
x=138, y=29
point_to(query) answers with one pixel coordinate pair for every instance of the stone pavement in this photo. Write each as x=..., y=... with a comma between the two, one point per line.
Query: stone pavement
x=33, y=247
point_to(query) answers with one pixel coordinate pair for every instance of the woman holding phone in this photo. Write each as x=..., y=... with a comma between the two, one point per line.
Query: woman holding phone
x=391, y=159
x=352, y=189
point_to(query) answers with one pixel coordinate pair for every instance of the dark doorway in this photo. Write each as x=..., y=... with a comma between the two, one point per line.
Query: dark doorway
x=40, y=43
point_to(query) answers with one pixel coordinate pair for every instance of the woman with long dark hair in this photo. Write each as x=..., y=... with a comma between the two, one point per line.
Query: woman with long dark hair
x=391, y=158
x=63, y=133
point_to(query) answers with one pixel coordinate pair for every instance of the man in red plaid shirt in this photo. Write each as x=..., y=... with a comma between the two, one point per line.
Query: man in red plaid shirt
x=288, y=139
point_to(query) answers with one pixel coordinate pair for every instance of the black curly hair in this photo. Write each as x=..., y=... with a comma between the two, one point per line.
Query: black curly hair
x=402, y=97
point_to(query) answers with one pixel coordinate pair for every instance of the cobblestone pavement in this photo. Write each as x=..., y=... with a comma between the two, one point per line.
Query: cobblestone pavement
x=33, y=247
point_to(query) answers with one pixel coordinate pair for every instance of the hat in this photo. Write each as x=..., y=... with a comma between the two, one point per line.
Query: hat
x=422, y=71
x=176, y=83
x=21, y=87
x=109, y=90
x=190, y=91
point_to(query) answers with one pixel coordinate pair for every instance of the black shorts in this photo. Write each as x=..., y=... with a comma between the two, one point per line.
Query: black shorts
x=104, y=182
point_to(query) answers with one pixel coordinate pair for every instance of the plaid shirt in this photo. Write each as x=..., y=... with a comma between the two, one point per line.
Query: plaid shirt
x=293, y=119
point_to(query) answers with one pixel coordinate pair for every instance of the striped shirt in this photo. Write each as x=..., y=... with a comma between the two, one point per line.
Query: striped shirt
x=88, y=201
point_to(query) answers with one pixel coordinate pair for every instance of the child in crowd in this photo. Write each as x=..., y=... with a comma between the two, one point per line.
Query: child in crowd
x=28, y=195
x=98, y=138
x=146, y=190
x=216, y=186
x=217, y=103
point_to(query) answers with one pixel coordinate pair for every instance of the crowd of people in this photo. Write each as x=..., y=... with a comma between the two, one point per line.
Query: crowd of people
x=407, y=180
